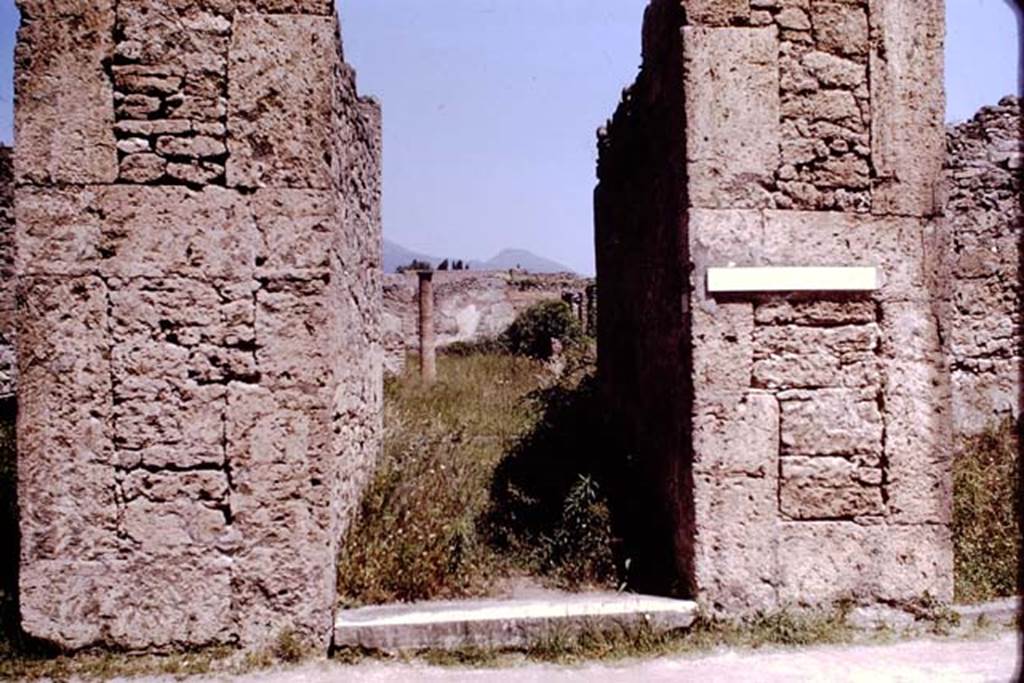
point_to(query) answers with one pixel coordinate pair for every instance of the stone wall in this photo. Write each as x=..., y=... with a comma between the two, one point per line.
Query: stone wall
x=8, y=361
x=199, y=287
x=984, y=184
x=469, y=306
x=796, y=447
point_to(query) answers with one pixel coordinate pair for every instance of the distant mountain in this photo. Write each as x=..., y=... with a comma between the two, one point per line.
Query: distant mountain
x=395, y=255
x=521, y=259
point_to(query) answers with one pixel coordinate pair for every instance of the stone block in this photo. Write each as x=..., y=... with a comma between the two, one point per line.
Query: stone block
x=286, y=543
x=819, y=488
x=732, y=115
x=716, y=12
x=797, y=357
x=916, y=563
x=65, y=450
x=910, y=331
x=64, y=121
x=135, y=604
x=282, y=59
x=723, y=346
x=918, y=443
x=908, y=101
x=981, y=399
x=736, y=434
x=57, y=231
x=816, y=312
x=840, y=28
x=894, y=245
x=164, y=231
x=293, y=335
x=831, y=422
x=718, y=238
x=294, y=226
x=736, y=556
x=827, y=562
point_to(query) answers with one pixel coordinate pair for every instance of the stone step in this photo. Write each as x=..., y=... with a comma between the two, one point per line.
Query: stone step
x=503, y=623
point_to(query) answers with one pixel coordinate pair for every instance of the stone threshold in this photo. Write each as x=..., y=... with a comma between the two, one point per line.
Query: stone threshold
x=996, y=613
x=497, y=624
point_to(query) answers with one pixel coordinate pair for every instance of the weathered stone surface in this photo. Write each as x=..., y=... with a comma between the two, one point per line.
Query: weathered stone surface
x=736, y=435
x=201, y=366
x=983, y=223
x=285, y=58
x=8, y=292
x=176, y=600
x=716, y=12
x=918, y=442
x=794, y=357
x=909, y=105
x=732, y=112
x=736, y=557
x=723, y=349
x=831, y=422
x=65, y=114
x=818, y=488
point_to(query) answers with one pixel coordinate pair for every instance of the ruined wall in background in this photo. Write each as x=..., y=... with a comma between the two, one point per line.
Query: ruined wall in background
x=8, y=333
x=984, y=182
x=469, y=306
x=802, y=442
x=199, y=278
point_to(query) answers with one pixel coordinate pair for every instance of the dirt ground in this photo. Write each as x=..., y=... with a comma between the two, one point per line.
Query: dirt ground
x=931, y=661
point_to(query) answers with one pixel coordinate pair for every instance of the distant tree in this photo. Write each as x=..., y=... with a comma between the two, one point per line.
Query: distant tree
x=459, y=265
x=444, y=265
x=413, y=266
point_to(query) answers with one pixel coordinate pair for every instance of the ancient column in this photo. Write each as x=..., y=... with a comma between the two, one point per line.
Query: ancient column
x=795, y=444
x=200, y=375
x=428, y=343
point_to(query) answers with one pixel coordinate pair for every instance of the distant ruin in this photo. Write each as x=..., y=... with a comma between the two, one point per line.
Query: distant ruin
x=473, y=305
x=198, y=266
x=797, y=449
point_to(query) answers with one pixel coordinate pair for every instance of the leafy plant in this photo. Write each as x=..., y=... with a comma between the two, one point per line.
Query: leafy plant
x=533, y=330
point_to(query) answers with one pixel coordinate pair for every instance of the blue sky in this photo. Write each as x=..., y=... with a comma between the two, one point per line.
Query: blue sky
x=490, y=108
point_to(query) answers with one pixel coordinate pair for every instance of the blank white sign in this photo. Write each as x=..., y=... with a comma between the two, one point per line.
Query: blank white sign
x=785, y=279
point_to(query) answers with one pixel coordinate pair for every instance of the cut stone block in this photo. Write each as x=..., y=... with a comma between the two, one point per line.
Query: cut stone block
x=504, y=623
x=732, y=114
x=736, y=435
x=819, y=488
x=65, y=443
x=831, y=422
x=908, y=102
x=736, y=557
x=286, y=543
x=64, y=121
x=283, y=59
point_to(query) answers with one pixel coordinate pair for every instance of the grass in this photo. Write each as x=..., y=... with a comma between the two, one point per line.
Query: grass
x=985, y=529
x=427, y=527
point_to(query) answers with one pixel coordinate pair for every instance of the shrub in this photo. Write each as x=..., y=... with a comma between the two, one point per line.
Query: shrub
x=533, y=329
x=483, y=346
x=986, y=501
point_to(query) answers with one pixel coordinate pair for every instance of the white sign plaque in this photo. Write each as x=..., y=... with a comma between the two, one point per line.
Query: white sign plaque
x=786, y=279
